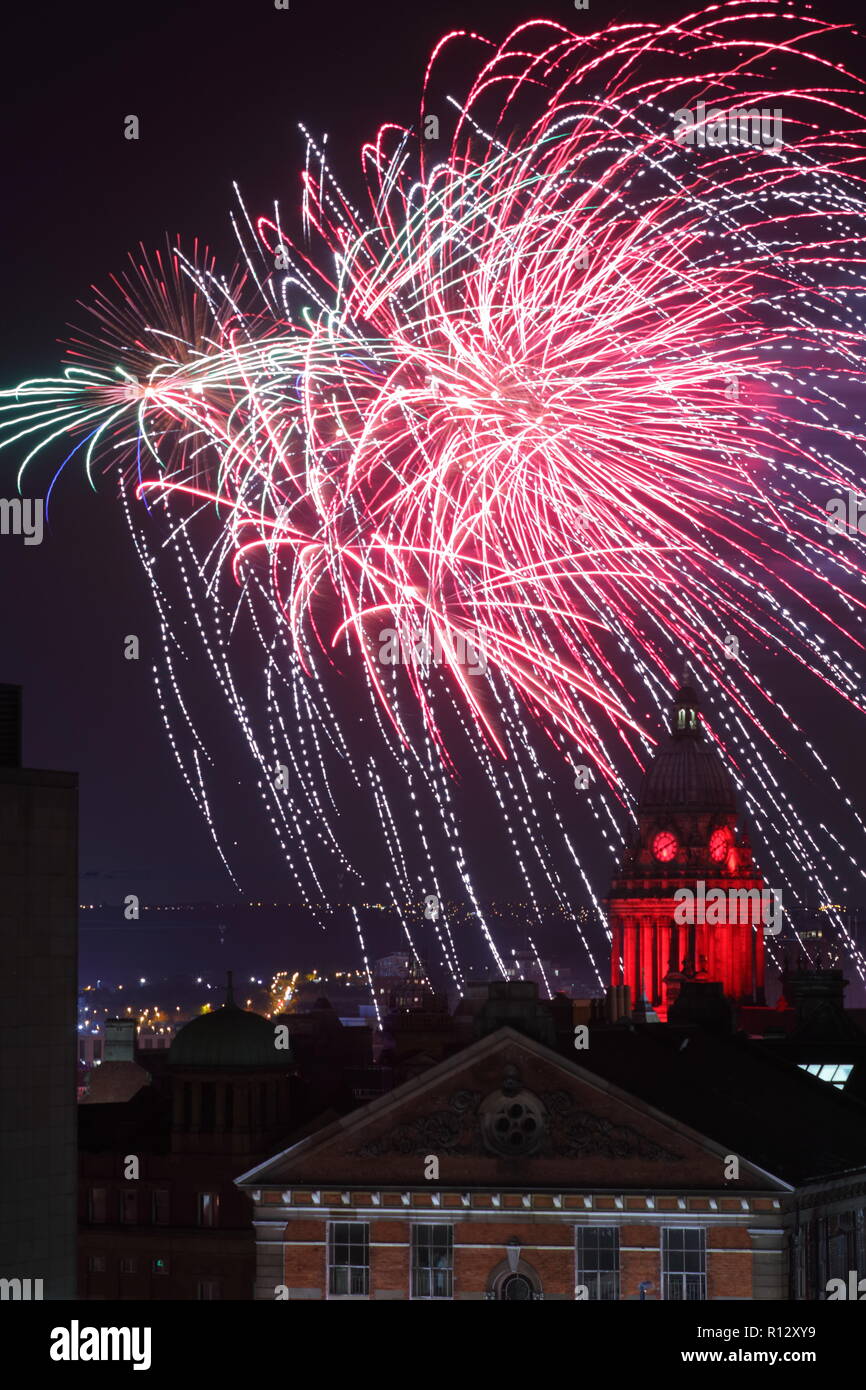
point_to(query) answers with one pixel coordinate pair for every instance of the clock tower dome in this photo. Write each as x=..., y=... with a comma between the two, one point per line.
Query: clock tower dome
x=687, y=838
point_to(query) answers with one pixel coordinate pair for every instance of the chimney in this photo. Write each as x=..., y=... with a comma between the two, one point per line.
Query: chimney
x=119, y=1040
x=702, y=1004
x=10, y=725
x=618, y=1002
x=811, y=991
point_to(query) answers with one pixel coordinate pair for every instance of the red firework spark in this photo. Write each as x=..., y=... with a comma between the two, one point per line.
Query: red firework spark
x=513, y=413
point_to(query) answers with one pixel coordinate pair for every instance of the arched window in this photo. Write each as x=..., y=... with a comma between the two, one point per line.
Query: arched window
x=516, y=1286
x=521, y=1283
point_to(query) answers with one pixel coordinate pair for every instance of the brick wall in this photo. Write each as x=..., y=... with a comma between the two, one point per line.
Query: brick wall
x=480, y=1241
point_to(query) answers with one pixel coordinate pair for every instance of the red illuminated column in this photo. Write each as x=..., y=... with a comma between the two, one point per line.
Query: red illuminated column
x=616, y=952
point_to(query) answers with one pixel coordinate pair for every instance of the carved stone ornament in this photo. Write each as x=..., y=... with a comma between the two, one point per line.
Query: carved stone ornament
x=516, y=1123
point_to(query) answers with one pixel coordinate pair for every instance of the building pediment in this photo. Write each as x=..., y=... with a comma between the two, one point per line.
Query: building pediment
x=506, y=1110
x=544, y=1124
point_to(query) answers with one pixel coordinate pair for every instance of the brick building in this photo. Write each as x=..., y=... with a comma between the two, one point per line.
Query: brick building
x=509, y=1171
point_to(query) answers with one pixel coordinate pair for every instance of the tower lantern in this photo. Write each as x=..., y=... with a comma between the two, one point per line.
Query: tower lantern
x=686, y=721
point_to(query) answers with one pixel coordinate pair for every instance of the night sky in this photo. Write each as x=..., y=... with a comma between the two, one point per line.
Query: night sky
x=219, y=90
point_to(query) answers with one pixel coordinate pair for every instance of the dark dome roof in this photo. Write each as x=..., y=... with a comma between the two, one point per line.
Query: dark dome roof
x=686, y=772
x=228, y=1037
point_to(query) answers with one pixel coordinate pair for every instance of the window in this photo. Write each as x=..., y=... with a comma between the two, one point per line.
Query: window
x=97, y=1205
x=517, y=1286
x=349, y=1259
x=821, y=1241
x=432, y=1261
x=129, y=1206
x=159, y=1206
x=598, y=1261
x=796, y=1270
x=838, y=1256
x=515, y=1125
x=684, y=1252
x=128, y=1265
x=96, y=1264
x=208, y=1208
x=836, y=1073
x=810, y=1262
x=208, y=1107
x=207, y=1290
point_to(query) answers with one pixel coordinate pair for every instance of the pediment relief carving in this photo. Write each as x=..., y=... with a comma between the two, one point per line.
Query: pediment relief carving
x=515, y=1122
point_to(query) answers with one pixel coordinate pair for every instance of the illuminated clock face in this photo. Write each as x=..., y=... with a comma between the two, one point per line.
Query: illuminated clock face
x=665, y=846
x=720, y=843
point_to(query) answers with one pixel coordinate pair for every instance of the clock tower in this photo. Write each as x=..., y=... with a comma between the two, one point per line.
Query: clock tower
x=687, y=838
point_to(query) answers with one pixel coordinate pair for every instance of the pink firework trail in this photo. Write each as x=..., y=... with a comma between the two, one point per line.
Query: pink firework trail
x=572, y=388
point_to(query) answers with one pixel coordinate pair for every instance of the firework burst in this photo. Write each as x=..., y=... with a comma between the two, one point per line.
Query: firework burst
x=570, y=390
